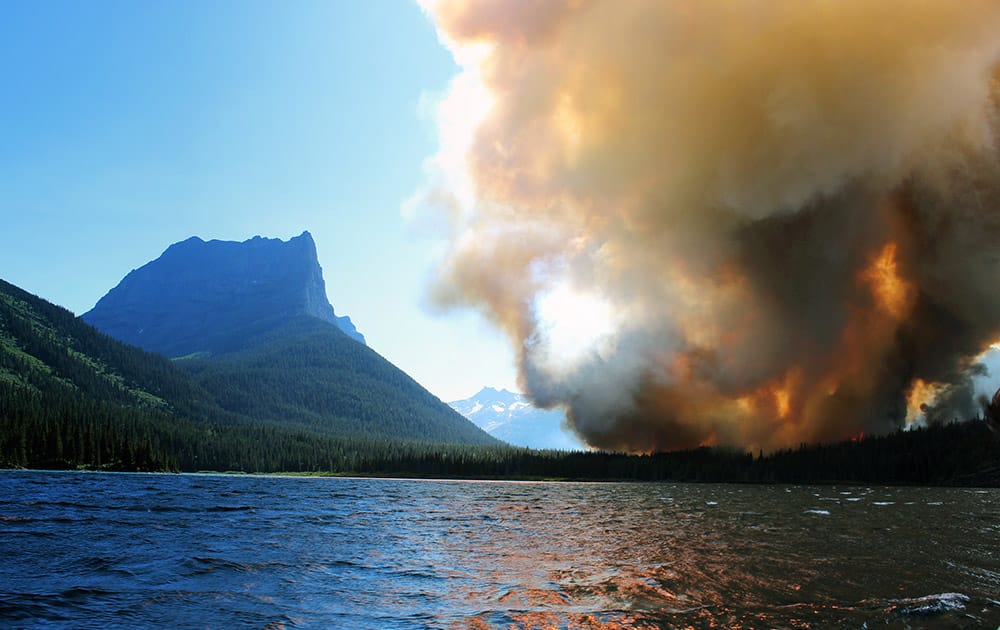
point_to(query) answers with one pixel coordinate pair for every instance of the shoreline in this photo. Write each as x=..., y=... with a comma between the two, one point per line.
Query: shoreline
x=481, y=479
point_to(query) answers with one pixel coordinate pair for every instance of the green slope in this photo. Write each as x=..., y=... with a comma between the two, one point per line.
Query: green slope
x=71, y=396
x=43, y=346
x=308, y=374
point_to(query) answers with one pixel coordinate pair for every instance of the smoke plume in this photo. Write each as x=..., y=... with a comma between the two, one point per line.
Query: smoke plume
x=742, y=223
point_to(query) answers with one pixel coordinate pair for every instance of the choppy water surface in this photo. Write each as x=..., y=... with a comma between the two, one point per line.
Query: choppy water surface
x=99, y=550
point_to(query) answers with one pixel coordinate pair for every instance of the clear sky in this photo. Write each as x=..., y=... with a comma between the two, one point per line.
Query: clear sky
x=127, y=126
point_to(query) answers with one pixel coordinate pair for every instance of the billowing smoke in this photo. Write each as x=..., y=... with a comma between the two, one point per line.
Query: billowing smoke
x=746, y=223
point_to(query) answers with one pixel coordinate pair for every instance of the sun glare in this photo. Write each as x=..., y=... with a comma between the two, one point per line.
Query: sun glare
x=573, y=324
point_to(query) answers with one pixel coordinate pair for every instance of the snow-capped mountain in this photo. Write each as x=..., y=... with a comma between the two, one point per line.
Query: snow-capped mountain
x=509, y=416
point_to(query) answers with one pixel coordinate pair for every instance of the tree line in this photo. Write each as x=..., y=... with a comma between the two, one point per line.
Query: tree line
x=67, y=432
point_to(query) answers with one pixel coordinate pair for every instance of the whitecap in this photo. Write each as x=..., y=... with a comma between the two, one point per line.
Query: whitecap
x=930, y=604
x=820, y=512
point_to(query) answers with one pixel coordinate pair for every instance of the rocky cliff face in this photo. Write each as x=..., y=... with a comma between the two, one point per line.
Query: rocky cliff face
x=203, y=296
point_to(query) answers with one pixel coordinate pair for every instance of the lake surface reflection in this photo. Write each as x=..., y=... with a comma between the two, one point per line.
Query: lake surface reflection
x=100, y=550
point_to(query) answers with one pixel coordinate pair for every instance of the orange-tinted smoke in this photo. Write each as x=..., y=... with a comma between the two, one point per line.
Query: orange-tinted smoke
x=784, y=216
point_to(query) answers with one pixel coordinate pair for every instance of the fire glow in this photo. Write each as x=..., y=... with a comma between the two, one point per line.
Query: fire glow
x=758, y=244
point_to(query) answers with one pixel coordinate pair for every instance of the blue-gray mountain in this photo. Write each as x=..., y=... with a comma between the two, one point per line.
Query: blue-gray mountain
x=251, y=323
x=203, y=296
x=512, y=418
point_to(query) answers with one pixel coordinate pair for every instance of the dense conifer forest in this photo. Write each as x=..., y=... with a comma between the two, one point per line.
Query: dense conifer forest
x=309, y=375
x=71, y=398
x=71, y=433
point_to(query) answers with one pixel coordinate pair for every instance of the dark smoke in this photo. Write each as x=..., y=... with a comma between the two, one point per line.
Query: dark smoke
x=754, y=223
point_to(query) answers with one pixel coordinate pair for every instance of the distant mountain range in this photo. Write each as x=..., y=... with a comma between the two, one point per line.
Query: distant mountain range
x=266, y=376
x=512, y=418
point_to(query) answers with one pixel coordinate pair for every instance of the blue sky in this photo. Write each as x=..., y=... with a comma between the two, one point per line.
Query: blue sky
x=127, y=126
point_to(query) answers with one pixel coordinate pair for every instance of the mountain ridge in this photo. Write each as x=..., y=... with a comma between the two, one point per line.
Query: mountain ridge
x=250, y=322
x=201, y=296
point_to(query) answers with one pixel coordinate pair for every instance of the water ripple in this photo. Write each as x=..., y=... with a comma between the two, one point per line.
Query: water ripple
x=100, y=550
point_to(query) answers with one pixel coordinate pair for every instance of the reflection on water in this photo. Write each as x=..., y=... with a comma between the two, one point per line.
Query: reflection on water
x=93, y=550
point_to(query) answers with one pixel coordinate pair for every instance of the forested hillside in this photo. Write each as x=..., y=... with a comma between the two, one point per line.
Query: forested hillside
x=71, y=396
x=308, y=374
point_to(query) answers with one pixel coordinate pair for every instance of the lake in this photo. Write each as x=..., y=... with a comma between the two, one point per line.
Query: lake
x=96, y=550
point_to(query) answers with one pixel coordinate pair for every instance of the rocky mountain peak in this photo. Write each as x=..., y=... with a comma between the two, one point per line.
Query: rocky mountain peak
x=201, y=296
